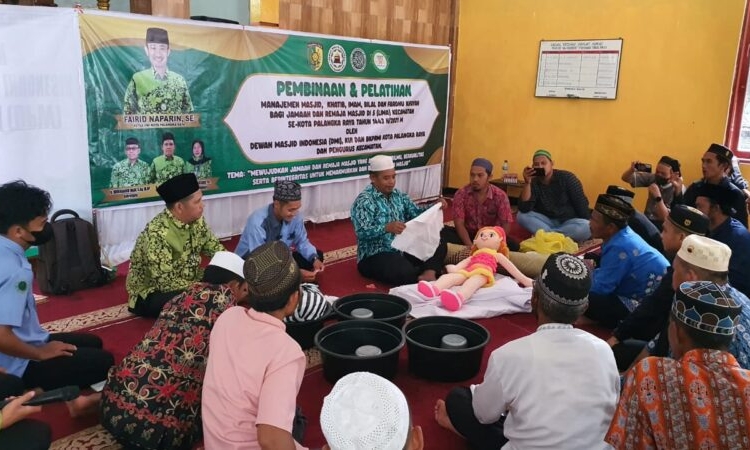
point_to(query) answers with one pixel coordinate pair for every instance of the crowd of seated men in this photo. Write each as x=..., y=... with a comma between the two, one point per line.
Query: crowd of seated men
x=678, y=311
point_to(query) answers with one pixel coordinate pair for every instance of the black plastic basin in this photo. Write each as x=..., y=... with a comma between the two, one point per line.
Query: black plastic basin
x=427, y=358
x=385, y=307
x=339, y=342
x=304, y=332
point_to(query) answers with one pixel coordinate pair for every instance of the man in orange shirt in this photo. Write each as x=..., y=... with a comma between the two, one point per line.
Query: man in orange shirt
x=698, y=399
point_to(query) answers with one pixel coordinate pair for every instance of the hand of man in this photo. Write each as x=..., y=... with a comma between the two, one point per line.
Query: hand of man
x=677, y=183
x=395, y=227
x=443, y=203
x=528, y=174
x=15, y=411
x=653, y=189
x=318, y=265
x=307, y=276
x=53, y=349
x=633, y=164
x=613, y=341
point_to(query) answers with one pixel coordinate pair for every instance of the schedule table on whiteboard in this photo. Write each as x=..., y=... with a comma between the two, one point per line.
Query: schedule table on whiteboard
x=583, y=69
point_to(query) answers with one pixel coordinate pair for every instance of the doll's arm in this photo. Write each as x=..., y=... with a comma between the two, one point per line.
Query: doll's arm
x=513, y=270
x=463, y=264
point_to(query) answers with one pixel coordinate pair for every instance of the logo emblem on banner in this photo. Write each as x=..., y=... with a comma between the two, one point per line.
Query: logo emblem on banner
x=380, y=61
x=315, y=55
x=337, y=58
x=359, y=59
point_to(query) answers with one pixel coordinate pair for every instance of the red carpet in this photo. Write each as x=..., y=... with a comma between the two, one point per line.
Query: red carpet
x=103, y=311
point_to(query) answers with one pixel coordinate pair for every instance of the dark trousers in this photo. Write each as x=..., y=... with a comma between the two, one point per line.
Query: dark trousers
x=626, y=352
x=397, y=269
x=28, y=434
x=153, y=303
x=299, y=425
x=305, y=264
x=608, y=310
x=450, y=235
x=10, y=385
x=461, y=413
x=89, y=364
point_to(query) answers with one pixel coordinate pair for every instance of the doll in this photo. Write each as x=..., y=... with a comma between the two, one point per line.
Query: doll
x=474, y=272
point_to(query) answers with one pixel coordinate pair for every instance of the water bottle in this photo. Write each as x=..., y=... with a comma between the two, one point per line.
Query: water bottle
x=506, y=167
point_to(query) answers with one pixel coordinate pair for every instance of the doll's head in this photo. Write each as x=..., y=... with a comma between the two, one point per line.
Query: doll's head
x=490, y=237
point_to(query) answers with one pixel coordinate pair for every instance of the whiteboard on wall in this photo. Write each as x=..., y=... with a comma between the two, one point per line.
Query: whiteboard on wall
x=579, y=69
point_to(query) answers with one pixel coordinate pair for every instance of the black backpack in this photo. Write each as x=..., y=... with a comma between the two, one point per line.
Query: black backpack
x=70, y=261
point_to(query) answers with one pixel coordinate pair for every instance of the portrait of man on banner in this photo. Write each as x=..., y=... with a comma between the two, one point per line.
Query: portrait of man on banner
x=157, y=90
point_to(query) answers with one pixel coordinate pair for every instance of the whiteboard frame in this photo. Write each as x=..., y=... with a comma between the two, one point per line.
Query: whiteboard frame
x=584, y=47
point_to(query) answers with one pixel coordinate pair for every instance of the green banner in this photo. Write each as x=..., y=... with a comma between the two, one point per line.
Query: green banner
x=242, y=108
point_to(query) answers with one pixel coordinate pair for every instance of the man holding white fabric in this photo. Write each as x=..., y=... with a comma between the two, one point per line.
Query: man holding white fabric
x=379, y=213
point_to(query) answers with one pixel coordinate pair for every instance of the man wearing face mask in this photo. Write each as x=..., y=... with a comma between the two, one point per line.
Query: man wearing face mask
x=27, y=350
x=664, y=187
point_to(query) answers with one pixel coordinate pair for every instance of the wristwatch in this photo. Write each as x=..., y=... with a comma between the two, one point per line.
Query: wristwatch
x=657, y=199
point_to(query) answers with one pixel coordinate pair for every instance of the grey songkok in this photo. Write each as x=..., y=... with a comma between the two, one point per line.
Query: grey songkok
x=565, y=279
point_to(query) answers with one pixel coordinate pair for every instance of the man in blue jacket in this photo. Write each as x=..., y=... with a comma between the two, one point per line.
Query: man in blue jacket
x=281, y=221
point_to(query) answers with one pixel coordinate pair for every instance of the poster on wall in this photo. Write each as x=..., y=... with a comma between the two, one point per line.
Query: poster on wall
x=242, y=107
x=579, y=69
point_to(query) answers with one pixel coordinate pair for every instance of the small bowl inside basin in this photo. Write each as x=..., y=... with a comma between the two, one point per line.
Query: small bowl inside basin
x=385, y=307
x=429, y=359
x=338, y=344
x=304, y=332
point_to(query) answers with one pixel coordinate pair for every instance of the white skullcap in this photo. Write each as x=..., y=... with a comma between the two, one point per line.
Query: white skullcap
x=705, y=253
x=381, y=162
x=365, y=412
x=229, y=261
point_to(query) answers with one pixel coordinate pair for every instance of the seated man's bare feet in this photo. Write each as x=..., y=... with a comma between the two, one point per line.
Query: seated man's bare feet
x=428, y=275
x=84, y=405
x=441, y=417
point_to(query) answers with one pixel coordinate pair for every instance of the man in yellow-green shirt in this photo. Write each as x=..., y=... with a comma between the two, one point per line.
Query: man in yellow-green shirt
x=167, y=165
x=167, y=254
x=157, y=90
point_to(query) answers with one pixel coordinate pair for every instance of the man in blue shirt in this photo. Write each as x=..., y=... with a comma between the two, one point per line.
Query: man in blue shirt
x=629, y=268
x=27, y=350
x=716, y=202
x=379, y=213
x=281, y=221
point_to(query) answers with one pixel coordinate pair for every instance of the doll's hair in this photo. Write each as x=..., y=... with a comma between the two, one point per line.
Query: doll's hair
x=503, y=238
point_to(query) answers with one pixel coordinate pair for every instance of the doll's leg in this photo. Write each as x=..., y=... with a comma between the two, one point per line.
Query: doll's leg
x=471, y=285
x=433, y=289
x=427, y=289
x=454, y=300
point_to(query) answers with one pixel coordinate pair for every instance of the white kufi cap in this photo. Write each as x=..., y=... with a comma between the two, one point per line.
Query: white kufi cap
x=381, y=162
x=229, y=261
x=365, y=412
x=705, y=253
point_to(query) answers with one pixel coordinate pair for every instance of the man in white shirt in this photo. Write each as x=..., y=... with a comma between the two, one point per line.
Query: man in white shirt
x=556, y=388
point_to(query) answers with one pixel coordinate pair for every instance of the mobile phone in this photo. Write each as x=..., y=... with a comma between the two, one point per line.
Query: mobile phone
x=538, y=171
x=642, y=167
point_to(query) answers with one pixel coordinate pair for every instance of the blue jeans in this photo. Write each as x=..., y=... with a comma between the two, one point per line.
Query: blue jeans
x=577, y=229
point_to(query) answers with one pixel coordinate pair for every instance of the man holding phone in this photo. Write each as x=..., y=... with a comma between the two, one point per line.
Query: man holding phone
x=664, y=186
x=553, y=200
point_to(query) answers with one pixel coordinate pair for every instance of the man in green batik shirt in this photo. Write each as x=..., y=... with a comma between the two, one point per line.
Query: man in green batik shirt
x=157, y=90
x=131, y=171
x=167, y=254
x=167, y=165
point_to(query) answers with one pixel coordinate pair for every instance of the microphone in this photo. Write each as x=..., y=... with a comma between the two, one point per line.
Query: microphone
x=62, y=394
